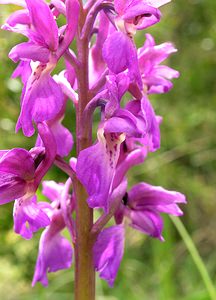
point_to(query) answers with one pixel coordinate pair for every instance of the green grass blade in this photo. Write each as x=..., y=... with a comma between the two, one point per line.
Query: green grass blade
x=195, y=256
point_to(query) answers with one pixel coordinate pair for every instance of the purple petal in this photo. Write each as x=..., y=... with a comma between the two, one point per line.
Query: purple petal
x=19, y=17
x=28, y=217
x=29, y=51
x=153, y=139
x=26, y=31
x=66, y=86
x=120, y=54
x=143, y=194
x=50, y=152
x=148, y=222
x=18, y=162
x=157, y=85
x=52, y=190
x=171, y=209
x=43, y=22
x=167, y=72
x=55, y=252
x=42, y=101
x=147, y=122
x=115, y=52
x=155, y=76
x=70, y=74
x=135, y=157
x=108, y=252
x=154, y=53
x=96, y=168
x=11, y=187
x=116, y=85
x=141, y=15
x=120, y=6
x=72, y=15
x=63, y=138
x=116, y=197
x=124, y=122
x=3, y=152
x=23, y=70
x=60, y=6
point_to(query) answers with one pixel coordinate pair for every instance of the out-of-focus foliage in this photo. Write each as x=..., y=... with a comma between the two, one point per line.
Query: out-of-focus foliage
x=186, y=162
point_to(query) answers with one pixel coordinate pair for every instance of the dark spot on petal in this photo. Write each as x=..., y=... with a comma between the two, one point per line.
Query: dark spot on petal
x=138, y=18
x=125, y=199
x=125, y=148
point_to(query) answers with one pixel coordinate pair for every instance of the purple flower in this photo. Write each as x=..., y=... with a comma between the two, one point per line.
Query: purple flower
x=20, y=174
x=42, y=98
x=156, y=78
x=23, y=70
x=96, y=165
x=53, y=190
x=108, y=252
x=58, y=194
x=16, y=181
x=28, y=217
x=138, y=14
x=63, y=137
x=96, y=168
x=39, y=26
x=126, y=161
x=55, y=251
x=145, y=203
x=120, y=54
x=148, y=123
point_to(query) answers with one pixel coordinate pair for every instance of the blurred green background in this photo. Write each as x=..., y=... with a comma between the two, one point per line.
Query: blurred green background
x=186, y=162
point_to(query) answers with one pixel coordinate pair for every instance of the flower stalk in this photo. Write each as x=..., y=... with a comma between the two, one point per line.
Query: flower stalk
x=84, y=265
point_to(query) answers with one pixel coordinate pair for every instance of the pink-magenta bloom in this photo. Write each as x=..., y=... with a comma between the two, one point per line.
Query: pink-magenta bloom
x=55, y=251
x=120, y=54
x=96, y=165
x=156, y=78
x=96, y=168
x=145, y=203
x=62, y=136
x=26, y=211
x=42, y=98
x=138, y=14
x=16, y=181
x=148, y=122
x=108, y=252
x=20, y=174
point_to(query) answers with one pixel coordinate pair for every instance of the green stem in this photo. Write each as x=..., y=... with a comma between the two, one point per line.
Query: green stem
x=84, y=268
x=195, y=256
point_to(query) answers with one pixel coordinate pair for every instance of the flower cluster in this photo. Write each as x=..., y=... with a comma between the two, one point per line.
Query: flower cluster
x=127, y=131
